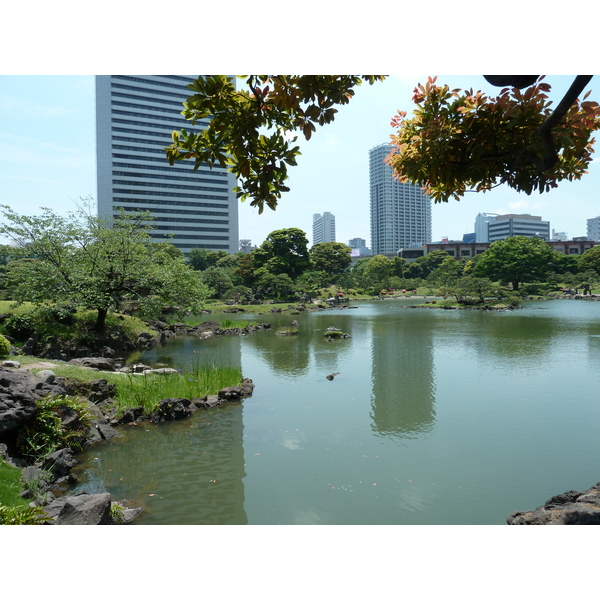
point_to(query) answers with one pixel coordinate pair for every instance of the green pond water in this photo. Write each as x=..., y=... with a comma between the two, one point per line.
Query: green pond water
x=435, y=417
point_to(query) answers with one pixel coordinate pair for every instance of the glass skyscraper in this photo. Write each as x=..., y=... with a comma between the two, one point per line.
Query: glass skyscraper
x=135, y=116
x=400, y=212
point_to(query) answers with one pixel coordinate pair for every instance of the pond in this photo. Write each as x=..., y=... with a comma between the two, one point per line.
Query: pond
x=434, y=417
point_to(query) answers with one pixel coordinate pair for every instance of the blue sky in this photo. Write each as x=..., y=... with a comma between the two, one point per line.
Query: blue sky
x=47, y=158
x=47, y=127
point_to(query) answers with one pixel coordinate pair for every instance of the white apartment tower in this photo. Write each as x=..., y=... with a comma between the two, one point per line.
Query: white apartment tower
x=481, y=226
x=135, y=116
x=323, y=228
x=400, y=212
x=593, y=229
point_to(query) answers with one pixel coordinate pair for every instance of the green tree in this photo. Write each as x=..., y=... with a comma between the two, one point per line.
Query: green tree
x=331, y=257
x=516, y=260
x=445, y=275
x=82, y=260
x=433, y=260
x=245, y=270
x=590, y=260
x=312, y=280
x=379, y=270
x=249, y=128
x=276, y=286
x=218, y=280
x=399, y=265
x=284, y=251
x=202, y=259
x=472, y=286
x=456, y=141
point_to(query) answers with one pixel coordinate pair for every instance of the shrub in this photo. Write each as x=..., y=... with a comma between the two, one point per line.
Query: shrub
x=4, y=346
x=44, y=433
x=22, y=515
x=19, y=326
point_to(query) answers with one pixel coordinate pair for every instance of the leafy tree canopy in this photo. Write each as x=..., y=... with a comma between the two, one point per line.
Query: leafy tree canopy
x=462, y=140
x=456, y=141
x=331, y=257
x=284, y=251
x=251, y=131
x=516, y=260
x=590, y=260
x=81, y=260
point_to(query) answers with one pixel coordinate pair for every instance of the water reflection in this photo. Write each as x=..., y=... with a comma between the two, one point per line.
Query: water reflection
x=403, y=389
x=188, y=471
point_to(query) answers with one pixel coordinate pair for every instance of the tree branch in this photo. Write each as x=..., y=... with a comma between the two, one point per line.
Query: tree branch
x=545, y=129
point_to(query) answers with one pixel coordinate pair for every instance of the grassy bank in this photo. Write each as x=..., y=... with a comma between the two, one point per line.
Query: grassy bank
x=147, y=390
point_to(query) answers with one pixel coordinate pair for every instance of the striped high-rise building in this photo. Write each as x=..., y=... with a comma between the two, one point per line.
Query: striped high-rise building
x=135, y=115
x=400, y=212
x=323, y=228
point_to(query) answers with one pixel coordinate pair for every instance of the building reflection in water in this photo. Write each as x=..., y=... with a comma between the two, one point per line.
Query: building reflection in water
x=403, y=392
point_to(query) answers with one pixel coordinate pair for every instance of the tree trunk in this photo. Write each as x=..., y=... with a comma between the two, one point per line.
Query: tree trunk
x=101, y=319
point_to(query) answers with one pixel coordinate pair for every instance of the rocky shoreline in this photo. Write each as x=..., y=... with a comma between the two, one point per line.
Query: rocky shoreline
x=45, y=480
x=569, y=508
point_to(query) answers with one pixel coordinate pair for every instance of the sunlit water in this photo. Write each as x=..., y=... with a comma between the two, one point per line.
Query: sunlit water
x=435, y=417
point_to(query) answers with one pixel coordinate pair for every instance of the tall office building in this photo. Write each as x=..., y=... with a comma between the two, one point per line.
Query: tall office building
x=400, y=212
x=593, y=229
x=504, y=226
x=481, y=226
x=323, y=228
x=135, y=116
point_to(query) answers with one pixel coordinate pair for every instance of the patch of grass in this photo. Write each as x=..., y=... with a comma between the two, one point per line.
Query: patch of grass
x=11, y=486
x=6, y=307
x=230, y=324
x=148, y=390
x=334, y=334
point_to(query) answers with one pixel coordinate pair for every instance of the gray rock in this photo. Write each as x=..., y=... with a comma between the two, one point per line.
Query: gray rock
x=85, y=509
x=162, y=371
x=59, y=462
x=29, y=345
x=237, y=391
x=95, y=362
x=171, y=409
x=11, y=364
x=46, y=376
x=19, y=391
x=570, y=508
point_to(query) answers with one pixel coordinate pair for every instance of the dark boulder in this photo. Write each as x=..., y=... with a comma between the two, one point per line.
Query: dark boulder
x=171, y=409
x=83, y=509
x=59, y=462
x=236, y=392
x=19, y=391
x=95, y=362
x=570, y=508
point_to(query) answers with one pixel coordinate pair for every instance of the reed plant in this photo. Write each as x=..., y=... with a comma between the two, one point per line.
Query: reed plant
x=231, y=324
x=147, y=390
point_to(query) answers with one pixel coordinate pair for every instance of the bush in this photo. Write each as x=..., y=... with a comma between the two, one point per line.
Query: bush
x=22, y=515
x=19, y=326
x=44, y=433
x=4, y=346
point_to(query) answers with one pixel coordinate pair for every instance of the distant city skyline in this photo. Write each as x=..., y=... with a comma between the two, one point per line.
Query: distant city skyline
x=47, y=158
